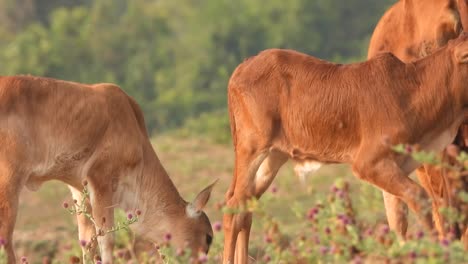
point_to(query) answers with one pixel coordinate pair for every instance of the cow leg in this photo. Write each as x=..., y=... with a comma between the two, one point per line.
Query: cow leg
x=86, y=229
x=9, y=197
x=397, y=214
x=101, y=198
x=268, y=170
x=389, y=177
x=464, y=239
x=424, y=175
x=237, y=225
x=263, y=178
x=103, y=213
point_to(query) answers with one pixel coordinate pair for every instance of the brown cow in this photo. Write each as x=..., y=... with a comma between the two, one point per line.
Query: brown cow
x=288, y=105
x=412, y=29
x=52, y=129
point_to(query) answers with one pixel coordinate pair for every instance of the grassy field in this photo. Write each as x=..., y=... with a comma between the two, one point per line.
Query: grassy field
x=286, y=228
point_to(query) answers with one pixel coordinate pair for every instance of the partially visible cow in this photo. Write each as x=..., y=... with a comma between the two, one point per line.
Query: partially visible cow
x=413, y=29
x=52, y=129
x=288, y=105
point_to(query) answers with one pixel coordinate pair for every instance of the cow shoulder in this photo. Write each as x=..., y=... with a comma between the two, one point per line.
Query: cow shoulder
x=124, y=134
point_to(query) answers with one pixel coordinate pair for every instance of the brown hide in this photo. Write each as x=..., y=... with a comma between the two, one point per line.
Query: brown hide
x=412, y=29
x=52, y=129
x=288, y=105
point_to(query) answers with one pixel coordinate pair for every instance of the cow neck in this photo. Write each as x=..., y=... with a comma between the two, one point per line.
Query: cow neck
x=433, y=95
x=154, y=193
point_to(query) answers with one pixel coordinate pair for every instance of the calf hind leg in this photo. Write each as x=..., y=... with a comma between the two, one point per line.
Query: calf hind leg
x=386, y=175
x=263, y=178
x=397, y=214
x=237, y=225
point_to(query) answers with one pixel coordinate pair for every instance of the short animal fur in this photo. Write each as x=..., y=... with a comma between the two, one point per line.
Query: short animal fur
x=288, y=105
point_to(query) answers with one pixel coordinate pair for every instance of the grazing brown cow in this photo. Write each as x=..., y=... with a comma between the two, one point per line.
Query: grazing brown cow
x=52, y=129
x=413, y=29
x=287, y=105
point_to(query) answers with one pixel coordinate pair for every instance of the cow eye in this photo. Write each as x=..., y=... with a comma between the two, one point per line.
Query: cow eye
x=209, y=239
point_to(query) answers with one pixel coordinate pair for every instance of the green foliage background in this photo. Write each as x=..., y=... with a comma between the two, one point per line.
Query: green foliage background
x=175, y=56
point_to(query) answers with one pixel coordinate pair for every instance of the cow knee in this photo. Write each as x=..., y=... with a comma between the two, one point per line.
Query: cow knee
x=363, y=172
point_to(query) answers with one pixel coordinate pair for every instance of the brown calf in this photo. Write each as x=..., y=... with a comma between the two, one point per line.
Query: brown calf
x=52, y=129
x=413, y=29
x=288, y=105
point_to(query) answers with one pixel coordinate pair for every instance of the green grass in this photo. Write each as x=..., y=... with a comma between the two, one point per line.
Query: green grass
x=44, y=228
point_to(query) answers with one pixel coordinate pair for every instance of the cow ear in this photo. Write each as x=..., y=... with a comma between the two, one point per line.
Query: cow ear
x=195, y=207
x=461, y=53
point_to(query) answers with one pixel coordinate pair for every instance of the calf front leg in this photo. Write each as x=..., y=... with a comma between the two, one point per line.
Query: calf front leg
x=86, y=229
x=431, y=179
x=9, y=195
x=103, y=214
x=397, y=214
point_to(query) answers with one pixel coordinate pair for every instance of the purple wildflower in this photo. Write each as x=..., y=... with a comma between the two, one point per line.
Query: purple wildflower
x=65, y=205
x=340, y=194
x=314, y=210
x=369, y=232
x=419, y=234
x=274, y=189
x=408, y=149
x=23, y=259
x=202, y=258
x=167, y=237
x=357, y=260
x=444, y=242
x=334, y=188
x=323, y=250
x=120, y=253
x=385, y=230
x=217, y=226
x=129, y=216
x=345, y=221
x=83, y=243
